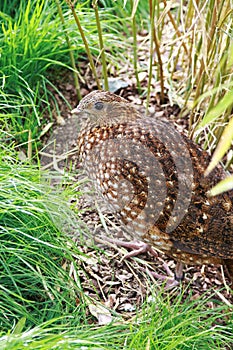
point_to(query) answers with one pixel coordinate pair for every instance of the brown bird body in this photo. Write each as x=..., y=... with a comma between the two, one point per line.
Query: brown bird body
x=152, y=178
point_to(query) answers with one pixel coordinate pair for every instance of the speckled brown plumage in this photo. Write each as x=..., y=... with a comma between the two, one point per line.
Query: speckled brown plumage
x=152, y=178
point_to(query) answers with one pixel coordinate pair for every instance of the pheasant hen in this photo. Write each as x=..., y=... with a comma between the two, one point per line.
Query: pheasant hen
x=152, y=179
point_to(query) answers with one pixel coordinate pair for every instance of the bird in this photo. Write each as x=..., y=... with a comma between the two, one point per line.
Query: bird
x=152, y=179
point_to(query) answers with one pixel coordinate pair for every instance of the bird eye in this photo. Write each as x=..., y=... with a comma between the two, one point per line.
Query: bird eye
x=99, y=105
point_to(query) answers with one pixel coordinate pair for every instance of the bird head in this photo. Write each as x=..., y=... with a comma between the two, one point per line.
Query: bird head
x=105, y=108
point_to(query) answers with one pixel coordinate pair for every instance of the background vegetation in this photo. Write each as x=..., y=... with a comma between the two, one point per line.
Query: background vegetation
x=42, y=305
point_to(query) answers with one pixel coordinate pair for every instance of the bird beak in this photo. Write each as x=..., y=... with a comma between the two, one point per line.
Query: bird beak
x=76, y=110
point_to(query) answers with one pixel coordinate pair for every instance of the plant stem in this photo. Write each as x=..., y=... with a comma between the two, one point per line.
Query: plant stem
x=103, y=59
x=72, y=60
x=157, y=47
x=175, y=27
x=71, y=5
x=135, y=54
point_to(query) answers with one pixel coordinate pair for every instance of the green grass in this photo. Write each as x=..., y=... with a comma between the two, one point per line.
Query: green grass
x=161, y=324
x=33, y=246
x=25, y=60
x=176, y=325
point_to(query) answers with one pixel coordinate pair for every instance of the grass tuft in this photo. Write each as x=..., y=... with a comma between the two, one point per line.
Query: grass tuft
x=33, y=246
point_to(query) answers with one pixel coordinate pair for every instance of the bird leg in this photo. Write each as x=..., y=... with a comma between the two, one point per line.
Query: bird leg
x=138, y=248
x=172, y=280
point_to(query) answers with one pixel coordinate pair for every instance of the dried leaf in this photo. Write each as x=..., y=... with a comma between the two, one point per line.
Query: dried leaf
x=88, y=260
x=116, y=84
x=102, y=314
x=46, y=129
x=60, y=120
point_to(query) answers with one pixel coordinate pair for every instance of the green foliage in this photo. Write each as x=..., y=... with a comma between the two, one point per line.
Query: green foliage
x=32, y=247
x=173, y=324
x=163, y=323
x=24, y=60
